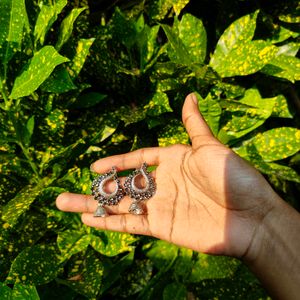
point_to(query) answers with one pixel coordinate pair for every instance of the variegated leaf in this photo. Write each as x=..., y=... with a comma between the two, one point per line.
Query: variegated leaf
x=38, y=70
x=66, y=27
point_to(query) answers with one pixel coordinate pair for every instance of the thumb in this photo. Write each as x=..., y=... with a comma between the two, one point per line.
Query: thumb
x=194, y=123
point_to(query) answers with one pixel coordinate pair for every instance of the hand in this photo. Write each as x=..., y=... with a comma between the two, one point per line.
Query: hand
x=208, y=199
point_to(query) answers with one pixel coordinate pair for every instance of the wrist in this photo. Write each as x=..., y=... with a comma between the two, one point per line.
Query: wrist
x=273, y=253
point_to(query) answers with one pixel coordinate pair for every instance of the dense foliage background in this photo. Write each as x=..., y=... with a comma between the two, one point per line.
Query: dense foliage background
x=81, y=80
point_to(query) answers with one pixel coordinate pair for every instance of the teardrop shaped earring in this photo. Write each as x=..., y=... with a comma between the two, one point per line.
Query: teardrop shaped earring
x=139, y=194
x=104, y=198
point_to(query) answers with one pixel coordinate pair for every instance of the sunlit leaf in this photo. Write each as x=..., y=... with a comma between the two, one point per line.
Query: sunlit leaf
x=38, y=70
x=277, y=143
x=158, y=104
x=67, y=25
x=82, y=51
x=211, y=111
x=238, y=120
x=47, y=16
x=209, y=266
x=111, y=243
x=193, y=35
x=284, y=66
x=244, y=59
x=13, y=23
x=162, y=254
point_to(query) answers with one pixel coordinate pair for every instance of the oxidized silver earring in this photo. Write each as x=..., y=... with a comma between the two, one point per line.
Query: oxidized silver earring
x=139, y=194
x=104, y=198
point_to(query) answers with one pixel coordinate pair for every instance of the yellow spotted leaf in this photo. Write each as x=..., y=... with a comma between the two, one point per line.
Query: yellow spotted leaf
x=21, y=202
x=284, y=66
x=193, y=35
x=212, y=267
x=82, y=51
x=36, y=265
x=47, y=16
x=274, y=144
x=66, y=27
x=37, y=71
x=173, y=133
x=12, y=23
x=71, y=242
x=111, y=243
x=85, y=276
x=245, y=59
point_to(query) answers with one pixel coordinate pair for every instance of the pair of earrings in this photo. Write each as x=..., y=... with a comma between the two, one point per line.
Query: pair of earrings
x=137, y=194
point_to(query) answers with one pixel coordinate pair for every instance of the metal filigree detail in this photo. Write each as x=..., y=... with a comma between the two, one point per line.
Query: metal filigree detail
x=139, y=194
x=104, y=198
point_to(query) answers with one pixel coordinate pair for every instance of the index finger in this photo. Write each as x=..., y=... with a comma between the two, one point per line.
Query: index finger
x=131, y=160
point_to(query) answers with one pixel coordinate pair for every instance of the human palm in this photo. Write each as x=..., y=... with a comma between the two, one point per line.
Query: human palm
x=204, y=199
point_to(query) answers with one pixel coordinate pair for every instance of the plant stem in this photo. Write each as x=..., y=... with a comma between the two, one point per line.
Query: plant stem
x=29, y=160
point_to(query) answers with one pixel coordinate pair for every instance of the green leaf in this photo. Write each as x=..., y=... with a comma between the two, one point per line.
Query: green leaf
x=173, y=133
x=71, y=242
x=88, y=100
x=115, y=272
x=239, y=32
x=86, y=275
x=66, y=27
x=250, y=153
x=21, y=202
x=24, y=133
x=158, y=105
x=193, y=35
x=24, y=292
x=5, y=292
x=37, y=71
x=59, y=82
x=281, y=108
x=137, y=279
x=162, y=254
x=147, y=43
x=14, y=20
x=236, y=54
x=281, y=35
x=277, y=143
x=36, y=265
x=245, y=59
x=183, y=264
x=284, y=66
x=211, y=111
x=159, y=8
x=238, y=120
x=182, y=55
x=212, y=267
x=47, y=16
x=123, y=30
x=82, y=51
x=291, y=18
x=175, y=291
x=111, y=243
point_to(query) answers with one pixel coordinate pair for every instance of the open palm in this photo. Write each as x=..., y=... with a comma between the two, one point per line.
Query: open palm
x=205, y=198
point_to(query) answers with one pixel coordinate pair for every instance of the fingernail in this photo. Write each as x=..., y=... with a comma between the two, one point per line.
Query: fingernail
x=92, y=167
x=194, y=98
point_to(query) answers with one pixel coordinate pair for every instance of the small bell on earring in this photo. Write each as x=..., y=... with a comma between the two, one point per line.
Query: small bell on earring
x=104, y=198
x=139, y=194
